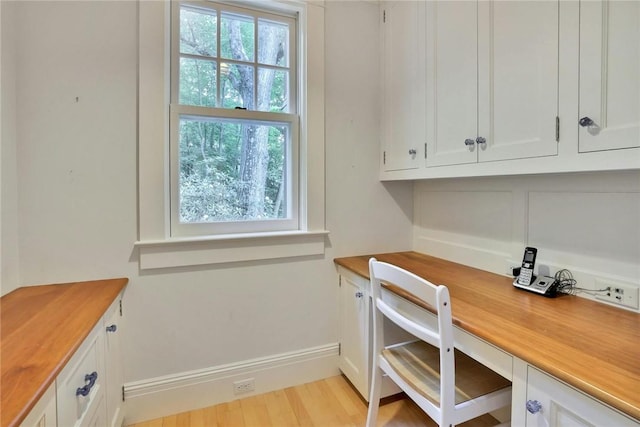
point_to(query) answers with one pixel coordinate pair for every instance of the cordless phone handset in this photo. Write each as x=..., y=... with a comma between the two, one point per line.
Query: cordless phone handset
x=528, y=263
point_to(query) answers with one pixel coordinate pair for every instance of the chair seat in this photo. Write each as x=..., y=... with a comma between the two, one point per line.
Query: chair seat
x=418, y=364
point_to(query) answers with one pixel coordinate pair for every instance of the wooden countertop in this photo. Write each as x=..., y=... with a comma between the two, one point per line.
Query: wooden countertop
x=40, y=329
x=589, y=345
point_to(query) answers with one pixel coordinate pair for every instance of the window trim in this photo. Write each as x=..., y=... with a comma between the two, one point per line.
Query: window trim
x=156, y=249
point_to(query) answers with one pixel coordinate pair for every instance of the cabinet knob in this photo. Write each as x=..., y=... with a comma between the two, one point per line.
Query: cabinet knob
x=112, y=328
x=359, y=294
x=533, y=406
x=412, y=152
x=469, y=141
x=585, y=122
x=481, y=140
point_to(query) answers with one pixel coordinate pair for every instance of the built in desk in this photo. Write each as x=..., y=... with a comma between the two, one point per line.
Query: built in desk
x=588, y=346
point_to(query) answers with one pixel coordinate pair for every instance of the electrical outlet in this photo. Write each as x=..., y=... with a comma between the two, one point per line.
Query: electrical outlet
x=244, y=386
x=617, y=293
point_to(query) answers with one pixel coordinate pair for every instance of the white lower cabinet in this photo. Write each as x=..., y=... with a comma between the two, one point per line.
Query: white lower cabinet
x=354, y=330
x=356, y=335
x=552, y=403
x=88, y=390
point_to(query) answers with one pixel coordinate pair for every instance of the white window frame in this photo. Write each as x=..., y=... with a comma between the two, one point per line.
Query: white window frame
x=179, y=111
x=156, y=247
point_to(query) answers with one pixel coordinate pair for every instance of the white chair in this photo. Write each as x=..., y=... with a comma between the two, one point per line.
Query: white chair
x=445, y=383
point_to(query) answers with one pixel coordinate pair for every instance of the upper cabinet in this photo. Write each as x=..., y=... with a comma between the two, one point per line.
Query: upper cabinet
x=609, y=75
x=492, y=80
x=477, y=88
x=402, y=34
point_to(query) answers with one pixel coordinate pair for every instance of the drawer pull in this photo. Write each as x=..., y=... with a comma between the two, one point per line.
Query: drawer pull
x=112, y=328
x=90, y=380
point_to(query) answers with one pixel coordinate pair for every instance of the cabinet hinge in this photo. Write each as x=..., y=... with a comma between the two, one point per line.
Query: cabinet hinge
x=120, y=302
x=384, y=157
x=425, y=150
x=339, y=281
x=557, y=129
x=123, y=393
x=339, y=348
x=384, y=16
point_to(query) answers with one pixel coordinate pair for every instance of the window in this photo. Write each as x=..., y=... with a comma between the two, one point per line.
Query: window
x=231, y=131
x=234, y=122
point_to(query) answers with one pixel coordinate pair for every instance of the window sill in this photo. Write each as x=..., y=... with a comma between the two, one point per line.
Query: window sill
x=190, y=251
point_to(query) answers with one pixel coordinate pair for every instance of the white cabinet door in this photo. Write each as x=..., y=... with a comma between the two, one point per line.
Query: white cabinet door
x=113, y=365
x=354, y=331
x=609, y=75
x=491, y=80
x=403, y=84
x=551, y=403
x=452, y=82
x=518, y=63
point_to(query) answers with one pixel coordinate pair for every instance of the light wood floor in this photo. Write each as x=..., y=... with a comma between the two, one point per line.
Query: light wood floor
x=331, y=402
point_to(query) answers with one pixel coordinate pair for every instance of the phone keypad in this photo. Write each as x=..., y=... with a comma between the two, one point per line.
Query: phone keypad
x=525, y=277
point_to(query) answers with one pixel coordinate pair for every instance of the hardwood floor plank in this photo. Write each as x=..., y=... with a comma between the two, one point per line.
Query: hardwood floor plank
x=322, y=406
x=296, y=400
x=280, y=410
x=352, y=403
x=230, y=414
x=254, y=411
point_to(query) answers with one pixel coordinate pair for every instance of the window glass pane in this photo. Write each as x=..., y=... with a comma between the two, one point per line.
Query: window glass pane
x=197, y=82
x=237, y=37
x=236, y=86
x=273, y=90
x=232, y=170
x=198, y=31
x=273, y=43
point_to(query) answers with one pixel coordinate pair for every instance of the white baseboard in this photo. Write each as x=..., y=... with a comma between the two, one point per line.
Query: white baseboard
x=172, y=394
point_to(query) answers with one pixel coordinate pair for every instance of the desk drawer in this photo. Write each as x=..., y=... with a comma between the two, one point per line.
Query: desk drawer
x=80, y=385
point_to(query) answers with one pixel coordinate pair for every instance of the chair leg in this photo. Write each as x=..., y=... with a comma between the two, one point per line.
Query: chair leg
x=374, y=397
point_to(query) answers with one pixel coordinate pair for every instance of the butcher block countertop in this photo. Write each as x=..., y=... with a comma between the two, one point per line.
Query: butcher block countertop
x=589, y=345
x=40, y=329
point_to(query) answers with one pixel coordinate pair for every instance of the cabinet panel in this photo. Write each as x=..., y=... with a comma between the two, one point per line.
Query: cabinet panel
x=518, y=79
x=452, y=82
x=403, y=93
x=492, y=72
x=610, y=74
x=552, y=403
x=354, y=330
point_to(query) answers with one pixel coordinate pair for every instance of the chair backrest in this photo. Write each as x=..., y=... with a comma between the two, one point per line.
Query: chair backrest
x=439, y=334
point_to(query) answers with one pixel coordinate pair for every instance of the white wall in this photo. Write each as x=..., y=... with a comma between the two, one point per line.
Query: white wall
x=8, y=162
x=76, y=179
x=588, y=223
